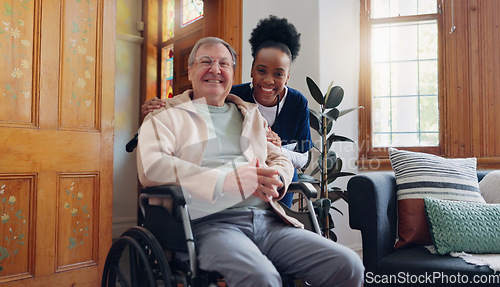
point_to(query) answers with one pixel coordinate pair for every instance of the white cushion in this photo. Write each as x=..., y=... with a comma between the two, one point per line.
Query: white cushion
x=490, y=187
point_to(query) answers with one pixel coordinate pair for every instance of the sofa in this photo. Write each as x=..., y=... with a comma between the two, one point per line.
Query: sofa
x=373, y=211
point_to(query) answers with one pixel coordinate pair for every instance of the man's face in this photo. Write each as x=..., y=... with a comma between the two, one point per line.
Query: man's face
x=212, y=80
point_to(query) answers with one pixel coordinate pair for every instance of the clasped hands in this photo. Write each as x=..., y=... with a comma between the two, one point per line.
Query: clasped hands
x=262, y=182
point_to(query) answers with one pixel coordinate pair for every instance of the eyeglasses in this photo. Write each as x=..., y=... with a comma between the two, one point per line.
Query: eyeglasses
x=207, y=61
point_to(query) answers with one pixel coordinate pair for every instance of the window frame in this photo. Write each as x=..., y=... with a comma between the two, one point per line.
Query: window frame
x=376, y=158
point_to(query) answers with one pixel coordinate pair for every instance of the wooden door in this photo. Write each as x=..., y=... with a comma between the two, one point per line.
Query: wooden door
x=56, y=140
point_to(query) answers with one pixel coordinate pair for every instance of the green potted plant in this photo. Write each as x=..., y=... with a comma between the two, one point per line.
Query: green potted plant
x=329, y=166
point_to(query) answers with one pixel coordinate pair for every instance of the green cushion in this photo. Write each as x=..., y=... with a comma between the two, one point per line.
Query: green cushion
x=457, y=226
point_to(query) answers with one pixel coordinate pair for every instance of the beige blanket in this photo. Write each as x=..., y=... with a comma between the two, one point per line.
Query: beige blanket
x=490, y=260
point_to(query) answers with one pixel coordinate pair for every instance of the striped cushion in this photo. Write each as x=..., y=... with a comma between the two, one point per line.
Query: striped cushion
x=419, y=175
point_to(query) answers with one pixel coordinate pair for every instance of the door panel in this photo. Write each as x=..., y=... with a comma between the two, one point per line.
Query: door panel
x=56, y=141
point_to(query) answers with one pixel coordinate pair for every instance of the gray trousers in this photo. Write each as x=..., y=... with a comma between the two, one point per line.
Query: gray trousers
x=252, y=248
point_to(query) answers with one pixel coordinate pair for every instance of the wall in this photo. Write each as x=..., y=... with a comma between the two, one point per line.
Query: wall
x=329, y=52
x=128, y=48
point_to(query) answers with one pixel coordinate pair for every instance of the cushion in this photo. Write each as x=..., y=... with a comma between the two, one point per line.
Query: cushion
x=420, y=174
x=490, y=187
x=457, y=226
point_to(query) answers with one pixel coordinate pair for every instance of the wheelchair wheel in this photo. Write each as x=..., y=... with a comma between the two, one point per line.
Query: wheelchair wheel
x=138, y=273
x=145, y=258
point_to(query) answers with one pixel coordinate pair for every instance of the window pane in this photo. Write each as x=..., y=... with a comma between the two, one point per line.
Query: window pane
x=429, y=139
x=380, y=9
x=404, y=112
x=167, y=71
x=395, y=8
x=382, y=139
x=382, y=120
x=168, y=19
x=192, y=10
x=381, y=43
x=427, y=7
x=428, y=77
x=405, y=139
x=429, y=116
x=404, y=42
x=381, y=81
x=404, y=78
x=427, y=40
x=403, y=7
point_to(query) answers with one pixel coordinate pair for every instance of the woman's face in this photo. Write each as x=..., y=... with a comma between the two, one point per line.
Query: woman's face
x=270, y=73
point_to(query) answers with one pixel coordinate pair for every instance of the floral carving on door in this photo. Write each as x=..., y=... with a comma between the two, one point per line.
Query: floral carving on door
x=76, y=238
x=16, y=226
x=16, y=52
x=13, y=221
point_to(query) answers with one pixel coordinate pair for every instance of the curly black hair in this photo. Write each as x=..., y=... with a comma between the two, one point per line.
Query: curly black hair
x=276, y=33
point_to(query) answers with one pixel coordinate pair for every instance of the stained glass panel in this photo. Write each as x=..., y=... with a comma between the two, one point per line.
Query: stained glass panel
x=192, y=10
x=167, y=71
x=168, y=19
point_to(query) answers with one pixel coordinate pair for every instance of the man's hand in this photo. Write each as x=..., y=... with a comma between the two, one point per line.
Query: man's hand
x=150, y=106
x=262, y=182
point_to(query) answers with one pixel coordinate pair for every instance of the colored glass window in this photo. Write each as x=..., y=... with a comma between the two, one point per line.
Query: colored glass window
x=192, y=10
x=168, y=19
x=167, y=71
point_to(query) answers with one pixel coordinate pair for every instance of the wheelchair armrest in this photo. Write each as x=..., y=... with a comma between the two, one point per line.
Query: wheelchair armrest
x=172, y=191
x=304, y=188
x=168, y=191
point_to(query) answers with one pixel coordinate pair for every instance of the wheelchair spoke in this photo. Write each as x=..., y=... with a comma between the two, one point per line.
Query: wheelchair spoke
x=140, y=269
x=122, y=278
x=133, y=267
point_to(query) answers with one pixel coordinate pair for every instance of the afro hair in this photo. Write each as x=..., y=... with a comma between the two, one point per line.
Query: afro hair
x=272, y=32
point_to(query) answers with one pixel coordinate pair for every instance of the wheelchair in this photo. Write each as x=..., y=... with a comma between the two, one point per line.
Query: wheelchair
x=161, y=251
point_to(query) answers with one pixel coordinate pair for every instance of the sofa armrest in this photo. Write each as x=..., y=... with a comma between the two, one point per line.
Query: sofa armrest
x=372, y=210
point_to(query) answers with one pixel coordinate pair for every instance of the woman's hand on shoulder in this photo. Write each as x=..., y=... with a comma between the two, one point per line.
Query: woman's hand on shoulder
x=273, y=137
x=150, y=106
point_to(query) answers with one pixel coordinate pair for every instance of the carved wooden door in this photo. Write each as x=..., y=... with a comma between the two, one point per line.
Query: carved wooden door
x=56, y=140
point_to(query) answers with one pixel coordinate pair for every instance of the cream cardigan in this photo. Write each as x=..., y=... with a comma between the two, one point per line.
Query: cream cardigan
x=172, y=142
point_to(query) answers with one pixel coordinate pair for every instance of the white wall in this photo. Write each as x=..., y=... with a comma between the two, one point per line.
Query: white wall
x=128, y=49
x=329, y=52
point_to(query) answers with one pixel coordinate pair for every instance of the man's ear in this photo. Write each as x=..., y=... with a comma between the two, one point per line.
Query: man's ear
x=189, y=73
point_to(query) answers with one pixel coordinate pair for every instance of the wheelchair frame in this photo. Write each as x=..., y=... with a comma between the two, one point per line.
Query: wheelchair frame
x=147, y=261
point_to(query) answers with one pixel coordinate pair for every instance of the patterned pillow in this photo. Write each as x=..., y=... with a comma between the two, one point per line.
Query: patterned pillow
x=420, y=174
x=457, y=226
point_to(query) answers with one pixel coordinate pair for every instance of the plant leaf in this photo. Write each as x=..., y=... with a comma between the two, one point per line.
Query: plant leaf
x=331, y=160
x=302, y=177
x=315, y=91
x=336, y=138
x=314, y=120
x=335, y=175
x=332, y=114
x=350, y=110
x=335, y=97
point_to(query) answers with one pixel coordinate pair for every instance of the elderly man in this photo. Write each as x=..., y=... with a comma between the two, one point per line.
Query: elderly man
x=214, y=145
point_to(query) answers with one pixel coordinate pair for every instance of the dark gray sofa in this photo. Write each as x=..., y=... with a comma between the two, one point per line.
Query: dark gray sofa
x=373, y=211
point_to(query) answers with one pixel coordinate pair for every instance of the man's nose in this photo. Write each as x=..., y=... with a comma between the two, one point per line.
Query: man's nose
x=215, y=67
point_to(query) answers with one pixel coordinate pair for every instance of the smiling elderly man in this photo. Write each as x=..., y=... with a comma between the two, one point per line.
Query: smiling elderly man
x=214, y=145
